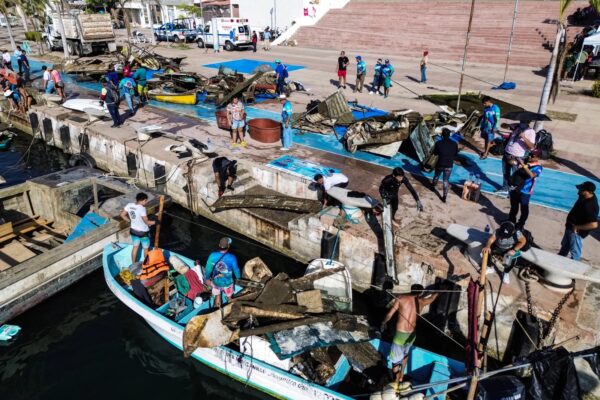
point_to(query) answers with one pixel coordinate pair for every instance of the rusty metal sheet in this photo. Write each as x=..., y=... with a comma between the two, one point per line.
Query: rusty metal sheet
x=272, y=202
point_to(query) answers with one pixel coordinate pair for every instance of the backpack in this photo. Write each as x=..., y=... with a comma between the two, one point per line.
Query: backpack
x=544, y=143
x=285, y=72
x=498, y=147
x=529, y=238
x=518, y=178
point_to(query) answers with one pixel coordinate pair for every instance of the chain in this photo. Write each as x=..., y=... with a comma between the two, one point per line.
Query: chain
x=530, y=312
x=557, y=311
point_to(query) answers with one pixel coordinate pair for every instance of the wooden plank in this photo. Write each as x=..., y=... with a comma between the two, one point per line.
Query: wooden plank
x=6, y=229
x=16, y=251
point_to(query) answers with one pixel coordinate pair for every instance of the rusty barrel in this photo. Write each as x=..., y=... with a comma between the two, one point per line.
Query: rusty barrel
x=264, y=130
x=222, y=121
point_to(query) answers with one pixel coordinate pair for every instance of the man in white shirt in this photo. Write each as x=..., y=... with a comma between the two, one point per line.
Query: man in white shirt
x=324, y=183
x=520, y=142
x=136, y=215
x=47, y=78
x=6, y=60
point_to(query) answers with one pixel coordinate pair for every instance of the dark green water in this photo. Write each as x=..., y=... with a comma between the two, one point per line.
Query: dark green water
x=84, y=344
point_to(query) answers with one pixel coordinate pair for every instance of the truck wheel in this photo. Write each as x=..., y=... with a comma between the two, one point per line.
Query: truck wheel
x=49, y=45
x=175, y=39
x=82, y=159
x=229, y=46
x=200, y=43
x=71, y=48
x=78, y=49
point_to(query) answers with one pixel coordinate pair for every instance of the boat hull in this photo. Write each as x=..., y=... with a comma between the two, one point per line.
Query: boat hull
x=188, y=98
x=253, y=372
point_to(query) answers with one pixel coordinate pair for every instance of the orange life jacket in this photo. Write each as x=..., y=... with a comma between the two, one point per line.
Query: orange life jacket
x=154, y=264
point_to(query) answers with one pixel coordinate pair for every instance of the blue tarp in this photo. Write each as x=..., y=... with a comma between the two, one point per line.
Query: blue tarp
x=88, y=223
x=247, y=66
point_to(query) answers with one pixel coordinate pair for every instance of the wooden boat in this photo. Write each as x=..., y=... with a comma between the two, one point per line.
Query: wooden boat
x=253, y=361
x=171, y=94
x=185, y=81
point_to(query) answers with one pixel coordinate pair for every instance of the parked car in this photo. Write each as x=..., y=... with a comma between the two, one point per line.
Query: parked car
x=172, y=32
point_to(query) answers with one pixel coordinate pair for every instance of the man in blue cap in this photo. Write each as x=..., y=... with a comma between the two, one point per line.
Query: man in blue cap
x=282, y=74
x=361, y=73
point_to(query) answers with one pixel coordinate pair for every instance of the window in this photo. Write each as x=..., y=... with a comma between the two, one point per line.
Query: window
x=207, y=29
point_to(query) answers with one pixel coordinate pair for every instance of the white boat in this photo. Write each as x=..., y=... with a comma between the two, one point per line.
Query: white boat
x=337, y=287
x=89, y=106
x=260, y=367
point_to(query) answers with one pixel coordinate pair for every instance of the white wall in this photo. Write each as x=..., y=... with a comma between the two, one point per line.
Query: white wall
x=258, y=12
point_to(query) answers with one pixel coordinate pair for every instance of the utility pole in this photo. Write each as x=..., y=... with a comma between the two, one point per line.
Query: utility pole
x=510, y=41
x=61, y=26
x=464, y=61
x=275, y=14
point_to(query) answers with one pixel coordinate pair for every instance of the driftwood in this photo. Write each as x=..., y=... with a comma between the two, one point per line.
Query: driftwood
x=244, y=310
x=256, y=270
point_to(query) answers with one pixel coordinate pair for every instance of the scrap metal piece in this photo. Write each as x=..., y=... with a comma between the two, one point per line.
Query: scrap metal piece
x=376, y=131
x=272, y=202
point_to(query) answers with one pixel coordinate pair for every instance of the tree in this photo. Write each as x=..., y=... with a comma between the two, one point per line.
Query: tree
x=553, y=67
x=192, y=10
x=4, y=6
x=596, y=5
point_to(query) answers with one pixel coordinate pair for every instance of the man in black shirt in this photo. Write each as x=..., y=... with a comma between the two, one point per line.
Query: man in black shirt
x=388, y=189
x=225, y=171
x=446, y=149
x=582, y=219
x=342, y=65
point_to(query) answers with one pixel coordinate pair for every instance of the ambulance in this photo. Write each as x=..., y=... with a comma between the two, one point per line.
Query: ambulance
x=230, y=33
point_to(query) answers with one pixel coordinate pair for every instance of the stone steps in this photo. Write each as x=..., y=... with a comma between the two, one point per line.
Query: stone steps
x=406, y=28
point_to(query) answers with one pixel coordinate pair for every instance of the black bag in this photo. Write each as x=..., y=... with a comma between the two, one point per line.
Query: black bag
x=518, y=178
x=544, y=143
x=139, y=234
x=529, y=238
x=554, y=376
x=504, y=387
x=498, y=147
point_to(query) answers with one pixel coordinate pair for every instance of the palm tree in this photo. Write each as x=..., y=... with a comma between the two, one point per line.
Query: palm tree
x=553, y=68
x=4, y=6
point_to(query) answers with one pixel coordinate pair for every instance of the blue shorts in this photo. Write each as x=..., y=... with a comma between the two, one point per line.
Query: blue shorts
x=487, y=135
x=145, y=241
x=237, y=124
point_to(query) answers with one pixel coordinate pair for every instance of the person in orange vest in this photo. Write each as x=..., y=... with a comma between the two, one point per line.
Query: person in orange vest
x=136, y=215
x=154, y=267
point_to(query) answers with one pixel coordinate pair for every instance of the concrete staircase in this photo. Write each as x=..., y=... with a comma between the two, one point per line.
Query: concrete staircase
x=406, y=28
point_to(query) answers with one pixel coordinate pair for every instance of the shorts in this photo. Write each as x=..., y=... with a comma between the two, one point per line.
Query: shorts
x=341, y=73
x=235, y=124
x=144, y=241
x=142, y=90
x=387, y=82
x=401, y=345
x=217, y=290
x=59, y=84
x=487, y=135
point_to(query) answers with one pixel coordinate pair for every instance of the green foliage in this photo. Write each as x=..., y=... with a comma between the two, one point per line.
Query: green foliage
x=564, y=4
x=596, y=89
x=33, y=36
x=596, y=5
x=192, y=10
x=100, y=4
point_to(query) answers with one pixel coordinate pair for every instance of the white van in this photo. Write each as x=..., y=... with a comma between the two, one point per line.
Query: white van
x=231, y=33
x=11, y=18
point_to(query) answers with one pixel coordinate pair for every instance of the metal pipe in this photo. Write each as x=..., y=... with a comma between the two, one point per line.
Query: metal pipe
x=510, y=42
x=464, y=61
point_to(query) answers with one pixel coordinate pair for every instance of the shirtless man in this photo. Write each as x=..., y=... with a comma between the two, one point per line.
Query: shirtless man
x=408, y=306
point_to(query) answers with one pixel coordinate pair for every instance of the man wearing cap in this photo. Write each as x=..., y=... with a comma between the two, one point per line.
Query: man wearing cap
x=388, y=189
x=361, y=73
x=522, y=183
x=407, y=306
x=287, y=138
x=506, y=240
x=446, y=150
x=489, y=125
x=221, y=271
x=376, y=77
x=281, y=75
x=110, y=96
x=386, y=73
x=581, y=221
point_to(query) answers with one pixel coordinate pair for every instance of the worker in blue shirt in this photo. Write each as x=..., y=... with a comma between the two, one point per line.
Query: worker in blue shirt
x=281, y=75
x=377, y=77
x=286, y=122
x=386, y=73
x=361, y=73
x=489, y=124
x=520, y=194
x=221, y=271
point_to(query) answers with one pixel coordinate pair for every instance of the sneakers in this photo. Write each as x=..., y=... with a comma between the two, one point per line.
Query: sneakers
x=234, y=145
x=490, y=270
x=506, y=278
x=243, y=144
x=371, y=92
x=230, y=188
x=501, y=192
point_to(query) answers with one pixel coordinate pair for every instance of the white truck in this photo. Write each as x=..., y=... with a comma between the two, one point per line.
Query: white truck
x=85, y=33
x=231, y=33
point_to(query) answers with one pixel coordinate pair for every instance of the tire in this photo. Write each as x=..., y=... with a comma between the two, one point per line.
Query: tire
x=229, y=46
x=156, y=38
x=49, y=45
x=200, y=43
x=175, y=39
x=79, y=49
x=82, y=159
x=71, y=48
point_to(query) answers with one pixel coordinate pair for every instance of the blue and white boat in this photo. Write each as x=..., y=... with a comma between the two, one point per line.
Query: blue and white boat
x=260, y=367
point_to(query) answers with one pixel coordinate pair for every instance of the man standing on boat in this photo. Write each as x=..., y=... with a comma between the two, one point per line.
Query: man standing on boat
x=407, y=306
x=136, y=215
x=221, y=271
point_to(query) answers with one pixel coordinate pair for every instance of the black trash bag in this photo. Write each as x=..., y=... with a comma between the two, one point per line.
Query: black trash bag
x=553, y=376
x=593, y=358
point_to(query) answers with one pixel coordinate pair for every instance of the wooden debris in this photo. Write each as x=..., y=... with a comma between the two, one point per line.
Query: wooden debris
x=277, y=291
x=311, y=299
x=306, y=282
x=256, y=270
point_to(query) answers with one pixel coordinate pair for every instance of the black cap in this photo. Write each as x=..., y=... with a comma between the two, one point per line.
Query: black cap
x=506, y=230
x=317, y=177
x=587, y=186
x=398, y=171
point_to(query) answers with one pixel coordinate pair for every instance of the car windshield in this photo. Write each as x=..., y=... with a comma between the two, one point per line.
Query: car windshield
x=244, y=29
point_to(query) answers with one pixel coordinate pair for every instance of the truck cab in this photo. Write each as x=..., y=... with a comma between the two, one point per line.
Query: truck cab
x=231, y=34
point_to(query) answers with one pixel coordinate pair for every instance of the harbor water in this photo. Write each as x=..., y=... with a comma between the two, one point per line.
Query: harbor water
x=84, y=344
